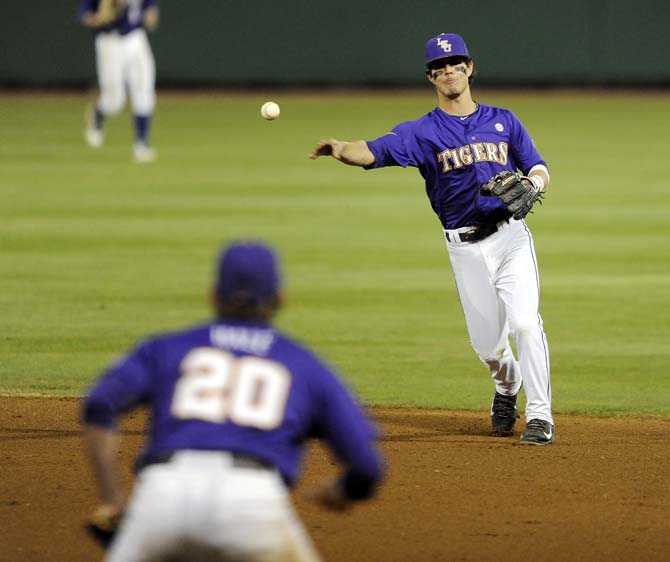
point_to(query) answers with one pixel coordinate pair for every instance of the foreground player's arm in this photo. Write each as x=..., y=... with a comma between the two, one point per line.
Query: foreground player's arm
x=120, y=389
x=354, y=153
x=349, y=434
x=102, y=446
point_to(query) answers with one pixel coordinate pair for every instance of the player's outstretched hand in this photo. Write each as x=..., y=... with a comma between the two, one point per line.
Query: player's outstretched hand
x=329, y=496
x=353, y=153
x=327, y=147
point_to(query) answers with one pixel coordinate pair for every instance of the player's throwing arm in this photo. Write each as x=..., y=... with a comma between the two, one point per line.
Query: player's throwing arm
x=354, y=153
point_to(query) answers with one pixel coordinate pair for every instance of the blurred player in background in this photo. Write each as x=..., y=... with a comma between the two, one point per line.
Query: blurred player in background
x=232, y=402
x=460, y=147
x=124, y=61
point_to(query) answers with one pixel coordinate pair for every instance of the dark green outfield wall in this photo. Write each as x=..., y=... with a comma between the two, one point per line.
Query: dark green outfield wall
x=300, y=42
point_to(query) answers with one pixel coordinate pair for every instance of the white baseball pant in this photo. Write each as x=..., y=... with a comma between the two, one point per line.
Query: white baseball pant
x=200, y=507
x=125, y=61
x=498, y=284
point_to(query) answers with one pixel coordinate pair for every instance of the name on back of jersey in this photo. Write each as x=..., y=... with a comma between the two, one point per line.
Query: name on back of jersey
x=250, y=340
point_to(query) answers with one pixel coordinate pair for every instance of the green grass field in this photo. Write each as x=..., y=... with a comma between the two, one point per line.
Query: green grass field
x=98, y=251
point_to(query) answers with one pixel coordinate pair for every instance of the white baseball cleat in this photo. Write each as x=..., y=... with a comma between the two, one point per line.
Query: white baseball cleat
x=143, y=153
x=94, y=137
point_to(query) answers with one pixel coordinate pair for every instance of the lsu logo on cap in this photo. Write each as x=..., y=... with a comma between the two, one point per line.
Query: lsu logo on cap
x=444, y=45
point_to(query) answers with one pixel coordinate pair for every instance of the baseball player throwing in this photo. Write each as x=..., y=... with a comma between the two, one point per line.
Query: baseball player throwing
x=468, y=154
x=232, y=402
x=124, y=60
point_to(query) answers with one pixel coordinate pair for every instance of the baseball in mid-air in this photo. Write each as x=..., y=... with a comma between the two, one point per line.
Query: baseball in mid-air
x=270, y=110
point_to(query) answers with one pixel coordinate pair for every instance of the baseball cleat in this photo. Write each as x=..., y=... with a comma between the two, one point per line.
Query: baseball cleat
x=93, y=135
x=538, y=432
x=143, y=153
x=503, y=415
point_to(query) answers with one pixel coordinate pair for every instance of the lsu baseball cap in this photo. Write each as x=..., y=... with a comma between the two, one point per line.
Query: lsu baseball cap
x=445, y=45
x=248, y=272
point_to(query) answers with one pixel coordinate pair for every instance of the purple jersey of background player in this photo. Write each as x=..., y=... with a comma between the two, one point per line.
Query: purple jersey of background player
x=455, y=155
x=130, y=18
x=318, y=404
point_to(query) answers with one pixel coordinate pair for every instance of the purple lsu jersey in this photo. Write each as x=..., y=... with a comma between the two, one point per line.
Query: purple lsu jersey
x=130, y=19
x=456, y=155
x=236, y=386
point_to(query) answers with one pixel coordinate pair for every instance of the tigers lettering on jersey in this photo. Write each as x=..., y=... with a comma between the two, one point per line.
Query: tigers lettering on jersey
x=455, y=158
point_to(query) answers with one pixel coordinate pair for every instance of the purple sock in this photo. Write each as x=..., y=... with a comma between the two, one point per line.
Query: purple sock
x=98, y=118
x=142, y=124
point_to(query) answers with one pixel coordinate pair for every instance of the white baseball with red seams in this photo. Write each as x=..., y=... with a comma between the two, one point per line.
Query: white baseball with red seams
x=270, y=110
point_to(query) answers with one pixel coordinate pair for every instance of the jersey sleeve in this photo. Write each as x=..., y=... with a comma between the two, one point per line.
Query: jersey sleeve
x=396, y=148
x=343, y=425
x=522, y=146
x=122, y=387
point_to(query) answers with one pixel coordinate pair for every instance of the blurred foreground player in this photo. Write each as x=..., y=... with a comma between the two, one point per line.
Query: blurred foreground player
x=124, y=61
x=232, y=402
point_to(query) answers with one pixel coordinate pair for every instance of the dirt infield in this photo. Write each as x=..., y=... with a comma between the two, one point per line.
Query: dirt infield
x=601, y=493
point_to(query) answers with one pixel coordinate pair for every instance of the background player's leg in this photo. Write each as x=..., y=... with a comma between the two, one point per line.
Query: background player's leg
x=109, y=64
x=485, y=315
x=141, y=84
x=518, y=284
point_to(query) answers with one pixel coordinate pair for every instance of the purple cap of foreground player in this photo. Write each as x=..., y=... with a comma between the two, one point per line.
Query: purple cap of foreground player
x=248, y=269
x=445, y=45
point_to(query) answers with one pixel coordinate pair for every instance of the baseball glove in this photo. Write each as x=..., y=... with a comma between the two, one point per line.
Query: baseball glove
x=517, y=192
x=102, y=526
